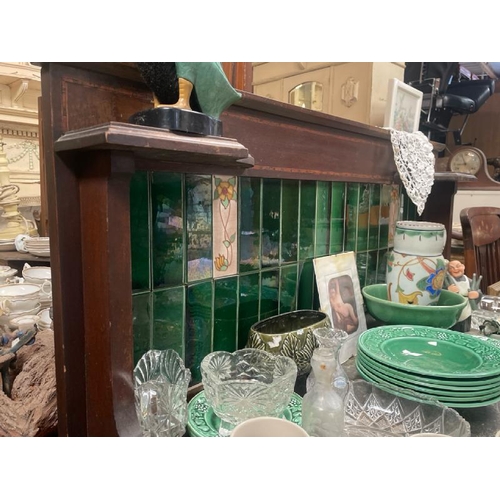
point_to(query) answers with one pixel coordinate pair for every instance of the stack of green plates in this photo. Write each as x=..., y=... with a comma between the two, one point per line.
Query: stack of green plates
x=424, y=363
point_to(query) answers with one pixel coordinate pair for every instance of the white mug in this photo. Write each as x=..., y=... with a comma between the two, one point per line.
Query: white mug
x=268, y=427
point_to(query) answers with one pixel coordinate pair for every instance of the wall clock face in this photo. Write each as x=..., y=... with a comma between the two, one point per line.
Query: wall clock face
x=467, y=160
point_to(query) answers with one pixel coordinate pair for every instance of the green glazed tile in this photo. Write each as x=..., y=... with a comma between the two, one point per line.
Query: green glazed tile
x=323, y=205
x=248, y=307
x=374, y=217
x=226, y=314
x=409, y=208
x=358, y=213
x=288, y=288
x=338, y=199
x=336, y=236
x=269, y=294
x=362, y=263
x=372, y=269
x=198, y=326
x=307, y=280
x=271, y=195
x=250, y=224
x=199, y=226
x=141, y=324
x=363, y=218
x=352, y=211
x=168, y=229
x=289, y=220
x=385, y=207
x=168, y=325
x=307, y=219
x=139, y=231
x=382, y=266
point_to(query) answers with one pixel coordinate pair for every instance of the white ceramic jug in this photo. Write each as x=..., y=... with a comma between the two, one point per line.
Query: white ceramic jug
x=416, y=267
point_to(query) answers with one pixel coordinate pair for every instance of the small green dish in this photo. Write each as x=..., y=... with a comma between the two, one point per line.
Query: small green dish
x=444, y=314
x=203, y=422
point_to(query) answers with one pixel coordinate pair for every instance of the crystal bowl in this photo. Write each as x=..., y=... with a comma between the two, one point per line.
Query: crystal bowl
x=372, y=412
x=289, y=334
x=161, y=384
x=443, y=314
x=247, y=383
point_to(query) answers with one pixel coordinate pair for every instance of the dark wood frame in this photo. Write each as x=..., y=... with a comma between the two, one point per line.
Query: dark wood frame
x=90, y=154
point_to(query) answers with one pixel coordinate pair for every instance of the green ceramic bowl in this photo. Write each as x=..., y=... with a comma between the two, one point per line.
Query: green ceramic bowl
x=444, y=314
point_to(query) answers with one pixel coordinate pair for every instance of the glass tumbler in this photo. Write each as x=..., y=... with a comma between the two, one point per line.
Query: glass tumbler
x=161, y=383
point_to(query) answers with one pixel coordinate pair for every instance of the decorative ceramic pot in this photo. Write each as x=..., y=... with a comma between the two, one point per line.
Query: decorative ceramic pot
x=289, y=334
x=416, y=267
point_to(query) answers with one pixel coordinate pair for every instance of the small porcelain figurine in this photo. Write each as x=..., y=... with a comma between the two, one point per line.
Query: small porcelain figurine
x=456, y=281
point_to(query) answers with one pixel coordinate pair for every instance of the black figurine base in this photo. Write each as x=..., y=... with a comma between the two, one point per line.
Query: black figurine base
x=176, y=119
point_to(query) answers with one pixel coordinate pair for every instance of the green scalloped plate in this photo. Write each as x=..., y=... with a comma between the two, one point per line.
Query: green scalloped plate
x=431, y=351
x=443, y=384
x=420, y=397
x=477, y=395
x=203, y=422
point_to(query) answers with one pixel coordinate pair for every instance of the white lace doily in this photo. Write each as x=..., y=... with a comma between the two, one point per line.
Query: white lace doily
x=415, y=162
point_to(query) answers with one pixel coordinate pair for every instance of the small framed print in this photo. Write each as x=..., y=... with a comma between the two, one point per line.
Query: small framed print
x=340, y=297
x=403, y=107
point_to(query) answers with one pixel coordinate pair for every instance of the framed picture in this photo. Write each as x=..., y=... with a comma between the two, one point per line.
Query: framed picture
x=340, y=297
x=403, y=107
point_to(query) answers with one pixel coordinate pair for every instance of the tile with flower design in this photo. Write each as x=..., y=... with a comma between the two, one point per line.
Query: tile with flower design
x=225, y=225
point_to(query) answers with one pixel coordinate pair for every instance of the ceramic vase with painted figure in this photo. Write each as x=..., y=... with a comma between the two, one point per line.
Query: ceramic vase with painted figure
x=416, y=267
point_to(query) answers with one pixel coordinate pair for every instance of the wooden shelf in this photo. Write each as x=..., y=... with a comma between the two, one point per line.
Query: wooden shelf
x=155, y=144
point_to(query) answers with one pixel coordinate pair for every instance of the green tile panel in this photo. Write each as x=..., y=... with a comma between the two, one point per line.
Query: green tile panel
x=198, y=208
x=307, y=219
x=168, y=319
x=322, y=221
x=269, y=294
x=271, y=216
x=250, y=223
x=139, y=227
x=168, y=234
x=225, y=314
x=282, y=225
x=289, y=220
x=199, y=325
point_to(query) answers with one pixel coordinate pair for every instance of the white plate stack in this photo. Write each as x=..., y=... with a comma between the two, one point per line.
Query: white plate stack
x=39, y=246
x=41, y=276
x=7, y=245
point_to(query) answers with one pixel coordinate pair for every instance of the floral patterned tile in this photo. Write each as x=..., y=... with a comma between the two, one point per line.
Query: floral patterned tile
x=225, y=225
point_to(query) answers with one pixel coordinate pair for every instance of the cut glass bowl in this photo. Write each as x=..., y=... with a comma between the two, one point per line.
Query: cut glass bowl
x=373, y=412
x=161, y=383
x=247, y=383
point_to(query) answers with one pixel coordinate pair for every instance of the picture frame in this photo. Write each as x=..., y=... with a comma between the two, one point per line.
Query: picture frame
x=340, y=297
x=403, y=107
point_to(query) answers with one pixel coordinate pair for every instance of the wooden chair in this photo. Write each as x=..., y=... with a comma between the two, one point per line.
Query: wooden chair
x=481, y=237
